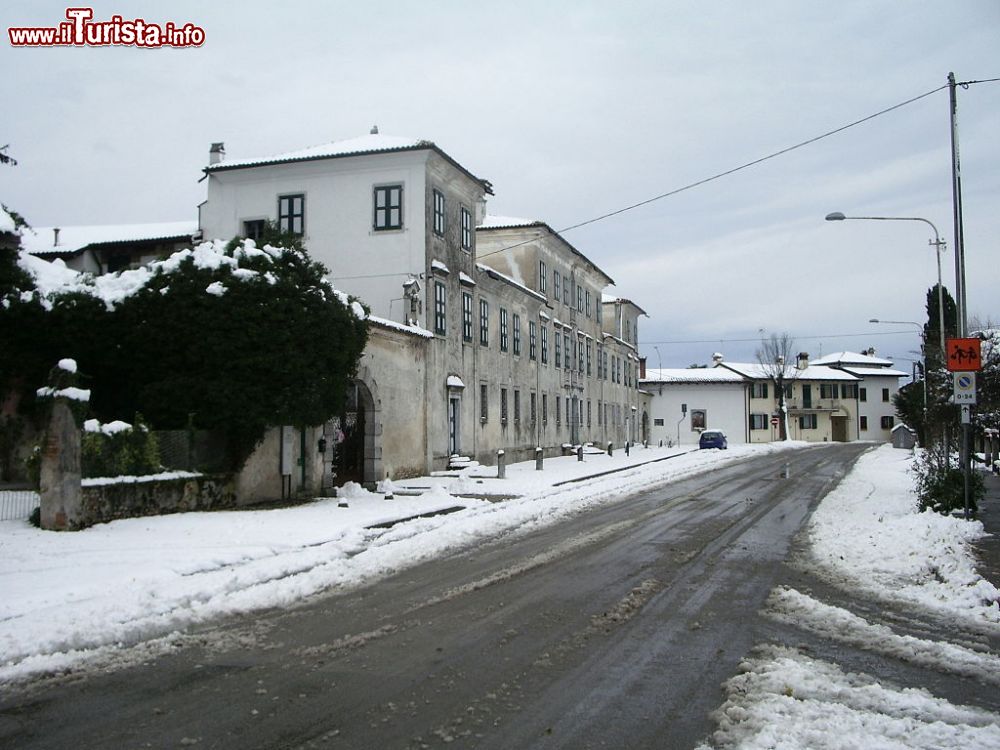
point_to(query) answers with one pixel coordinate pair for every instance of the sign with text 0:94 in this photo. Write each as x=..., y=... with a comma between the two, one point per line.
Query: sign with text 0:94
x=965, y=387
x=963, y=355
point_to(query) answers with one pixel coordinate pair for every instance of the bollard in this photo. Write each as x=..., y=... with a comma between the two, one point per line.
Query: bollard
x=627, y=445
x=579, y=453
x=538, y=459
x=786, y=471
x=501, y=468
x=611, y=449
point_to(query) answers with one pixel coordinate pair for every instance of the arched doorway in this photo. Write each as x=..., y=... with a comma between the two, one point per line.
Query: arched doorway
x=353, y=453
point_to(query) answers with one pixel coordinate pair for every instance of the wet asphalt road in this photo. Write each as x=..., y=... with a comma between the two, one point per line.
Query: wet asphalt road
x=613, y=629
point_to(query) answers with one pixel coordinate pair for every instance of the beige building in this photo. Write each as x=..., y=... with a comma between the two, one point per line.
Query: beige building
x=822, y=402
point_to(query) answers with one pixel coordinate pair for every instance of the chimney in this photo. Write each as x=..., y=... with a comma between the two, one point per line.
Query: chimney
x=55, y=236
x=803, y=360
x=216, y=153
x=717, y=358
x=642, y=368
x=374, y=130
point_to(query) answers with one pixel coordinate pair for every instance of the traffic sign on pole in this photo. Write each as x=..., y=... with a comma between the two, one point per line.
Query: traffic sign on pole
x=965, y=387
x=964, y=355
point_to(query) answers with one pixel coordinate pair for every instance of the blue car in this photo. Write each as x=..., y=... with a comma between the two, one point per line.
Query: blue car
x=713, y=439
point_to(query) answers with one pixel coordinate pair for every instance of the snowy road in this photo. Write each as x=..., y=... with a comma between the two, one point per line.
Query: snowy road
x=614, y=628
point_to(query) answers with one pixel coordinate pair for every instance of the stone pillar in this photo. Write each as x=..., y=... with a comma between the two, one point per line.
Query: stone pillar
x=61, y=506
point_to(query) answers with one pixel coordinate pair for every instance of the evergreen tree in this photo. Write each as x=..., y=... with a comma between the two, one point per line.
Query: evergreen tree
x=238, y=346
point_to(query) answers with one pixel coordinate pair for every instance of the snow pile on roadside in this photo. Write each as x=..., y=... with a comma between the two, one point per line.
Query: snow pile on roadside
x=784, y=699
x=868, y=531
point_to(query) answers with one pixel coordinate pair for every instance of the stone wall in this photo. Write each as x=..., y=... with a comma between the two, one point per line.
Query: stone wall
x=144, y=496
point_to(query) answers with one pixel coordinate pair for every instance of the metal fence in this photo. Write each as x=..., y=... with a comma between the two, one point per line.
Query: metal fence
x=17, y=504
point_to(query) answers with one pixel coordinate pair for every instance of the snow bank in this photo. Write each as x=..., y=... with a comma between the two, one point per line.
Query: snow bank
x=868, y=531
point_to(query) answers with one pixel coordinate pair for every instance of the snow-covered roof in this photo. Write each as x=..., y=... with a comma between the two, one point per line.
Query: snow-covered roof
x=873, y=372
x=757, y=371
x=41, y=240
x=507, y=222
x=851, y=358
x=438, y=265
x=503, y=277
x=692, y=375
x=608, y=299
x=494, y=223
x=373, y=143
x=401, y=327
x=455, y=382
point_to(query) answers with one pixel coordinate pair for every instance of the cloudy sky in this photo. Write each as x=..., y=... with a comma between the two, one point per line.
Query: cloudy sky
x=573, y=110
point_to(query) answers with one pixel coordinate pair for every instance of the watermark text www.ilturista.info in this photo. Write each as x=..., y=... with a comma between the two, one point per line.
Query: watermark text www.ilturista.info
x=80, y=30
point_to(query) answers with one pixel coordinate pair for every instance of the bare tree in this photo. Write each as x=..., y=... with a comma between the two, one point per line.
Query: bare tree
x=775, y=356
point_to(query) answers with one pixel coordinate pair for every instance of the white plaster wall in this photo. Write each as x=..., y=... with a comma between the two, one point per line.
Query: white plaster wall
x=725, y=404
x=338, y=217
x=875, y=408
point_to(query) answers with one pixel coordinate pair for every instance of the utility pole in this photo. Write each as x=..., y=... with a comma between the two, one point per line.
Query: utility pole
x=960, y=299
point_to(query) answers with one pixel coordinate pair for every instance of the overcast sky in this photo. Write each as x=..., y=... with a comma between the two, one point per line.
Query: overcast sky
x=573, y=110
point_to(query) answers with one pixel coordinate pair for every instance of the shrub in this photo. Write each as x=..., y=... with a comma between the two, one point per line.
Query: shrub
x=941, y=484
x=130, y=450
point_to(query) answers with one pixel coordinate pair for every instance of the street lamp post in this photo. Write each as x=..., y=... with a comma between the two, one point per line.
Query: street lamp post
x=938, y=244
x=923, y=349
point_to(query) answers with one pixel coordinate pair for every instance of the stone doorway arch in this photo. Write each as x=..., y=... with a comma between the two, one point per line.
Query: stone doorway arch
x=354, y=437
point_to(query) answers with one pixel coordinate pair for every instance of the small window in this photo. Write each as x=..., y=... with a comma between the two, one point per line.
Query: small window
x=587, y=293
x=566, y=291
x=533, y=407
x=503, y=405
x=545, y=345
x=864, y=424
x=466, y=217
x=589, y=354
x=556, y=285
x=699, y=419
x=579, y=298
x=807, y=421
x=558, y=410
x=543, y=277
x=440, y=312
x=532, y=340
x=588, y=413
x=545, y=408
x=503, y=329
x=557, y=340
x=254, y=229
x=517, y=405
x=863, y=395
x=758, y=421
x=439, y=213
x=292, y=213
x=657, y=423
x=388, y=207
x=887, y=423
x=484, y=410
x=849, y=390
x=828, y=390
x=517, y=335
x=885, y=395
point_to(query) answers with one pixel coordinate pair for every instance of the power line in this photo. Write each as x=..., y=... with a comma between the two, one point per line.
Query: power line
x=734, y=170
x=801, y=337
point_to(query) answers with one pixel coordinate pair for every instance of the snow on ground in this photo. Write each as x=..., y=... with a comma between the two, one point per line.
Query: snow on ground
x=784, y=699
x=868, y=536
x=868, y=533
x=70, y=596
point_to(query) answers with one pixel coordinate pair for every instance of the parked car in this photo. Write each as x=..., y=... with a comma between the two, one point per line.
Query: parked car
x=713, y=439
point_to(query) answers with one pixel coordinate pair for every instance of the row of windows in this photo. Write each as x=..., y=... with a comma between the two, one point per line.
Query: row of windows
x=570, y=351
x=387, y=214
x=826, y=390
x=809, y=422
x=607, y=413
x=562, y=290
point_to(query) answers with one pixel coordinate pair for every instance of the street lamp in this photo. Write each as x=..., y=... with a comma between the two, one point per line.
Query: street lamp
x=937, y=242
x=923, y=347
